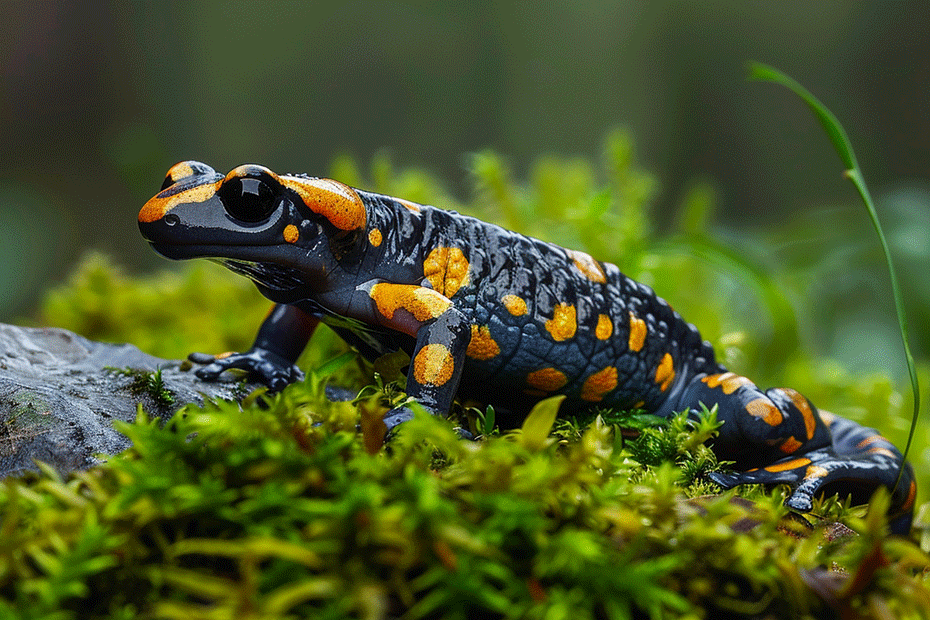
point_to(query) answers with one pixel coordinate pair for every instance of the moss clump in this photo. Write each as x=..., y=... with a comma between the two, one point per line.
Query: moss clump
x=279, y=512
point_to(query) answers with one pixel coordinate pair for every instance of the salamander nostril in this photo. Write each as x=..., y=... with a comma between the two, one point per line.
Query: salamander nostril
x=172, y=220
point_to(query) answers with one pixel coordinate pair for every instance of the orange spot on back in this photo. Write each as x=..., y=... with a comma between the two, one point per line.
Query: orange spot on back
x=605, y=327
x=335, y=201
x=730, y=382
x=410, y=206
x=790, y=445
x=433, y=364
x=515, y=305
x=763, y=409
x=599, y=384
x=546, y=379
x=637, y=332
x=446, y=269
x=562, y=325
x=804, y=406
x=665, y=373
x=374, y=237
x=482, y=345
x=291, y=234
x=588, y=266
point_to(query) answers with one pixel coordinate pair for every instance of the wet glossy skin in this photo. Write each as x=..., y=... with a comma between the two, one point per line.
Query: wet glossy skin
x=495, y=316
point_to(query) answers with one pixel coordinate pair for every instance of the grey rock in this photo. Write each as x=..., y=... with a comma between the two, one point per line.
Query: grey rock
x=58, y=400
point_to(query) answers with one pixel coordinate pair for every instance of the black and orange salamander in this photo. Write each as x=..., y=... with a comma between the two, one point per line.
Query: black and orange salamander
x=497, y=317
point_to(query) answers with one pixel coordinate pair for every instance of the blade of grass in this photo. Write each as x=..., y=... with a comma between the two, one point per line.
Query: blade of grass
x=764, y=73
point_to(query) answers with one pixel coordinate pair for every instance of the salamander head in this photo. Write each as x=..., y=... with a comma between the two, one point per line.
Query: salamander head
x=277, y=229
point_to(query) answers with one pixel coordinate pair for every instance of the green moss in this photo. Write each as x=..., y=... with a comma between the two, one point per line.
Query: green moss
x=147, y=382
x=277, y=510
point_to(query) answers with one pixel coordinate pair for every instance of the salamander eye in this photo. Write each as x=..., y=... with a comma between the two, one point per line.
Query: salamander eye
x=247, y=199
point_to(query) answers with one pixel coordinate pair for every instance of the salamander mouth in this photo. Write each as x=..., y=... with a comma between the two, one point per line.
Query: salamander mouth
x=268, y=274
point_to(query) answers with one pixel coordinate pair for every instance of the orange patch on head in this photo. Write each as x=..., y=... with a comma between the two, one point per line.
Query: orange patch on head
x=792, y=464
x=637, y=332
x=790, y=445
x=588, y=266
x=605, y=327
x=291, y=234
x=665, y=373
x=335, y=201
x=433, y=364
x=562, y=325
x=180, y=171
x=763, y=409
x=446, y=269
x=515, y=305
x=804, y=406
x=482, y=345
x=158, y=206
x=423, y=303
x=374, y=237
x=599, y=384
x=547, y=379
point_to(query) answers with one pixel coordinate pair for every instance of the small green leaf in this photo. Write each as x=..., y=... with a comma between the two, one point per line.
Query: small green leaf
x=539, y=423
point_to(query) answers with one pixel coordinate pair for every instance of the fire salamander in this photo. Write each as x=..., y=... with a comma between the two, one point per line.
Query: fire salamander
x=495, y=316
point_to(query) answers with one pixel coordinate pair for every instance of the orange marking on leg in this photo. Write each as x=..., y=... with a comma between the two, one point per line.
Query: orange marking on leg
x=423, y=303
x=482, y=345
x=804, y=406
x=763, y=409
x=790, y=445
x=547, y=379
x=884, y=451
x=868, y=441
x=792, y=464
x=446, y=269
x=599, y=384
x=665, y=373
x=637, y=332
x=562, y=325
x=433, y=364
x=514, y=304
x=605, y=327
x=816, y=471
x=375, y=237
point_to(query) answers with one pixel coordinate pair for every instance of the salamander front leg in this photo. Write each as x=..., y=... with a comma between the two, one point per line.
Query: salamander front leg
x=279, y=342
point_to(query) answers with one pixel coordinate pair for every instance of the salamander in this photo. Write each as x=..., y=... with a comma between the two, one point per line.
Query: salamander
x=494, y=316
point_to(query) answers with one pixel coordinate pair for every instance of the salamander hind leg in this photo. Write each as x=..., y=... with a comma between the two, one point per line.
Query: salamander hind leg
x=779, y=437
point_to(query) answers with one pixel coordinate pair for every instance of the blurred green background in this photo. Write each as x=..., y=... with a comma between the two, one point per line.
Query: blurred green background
x=98, y=99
